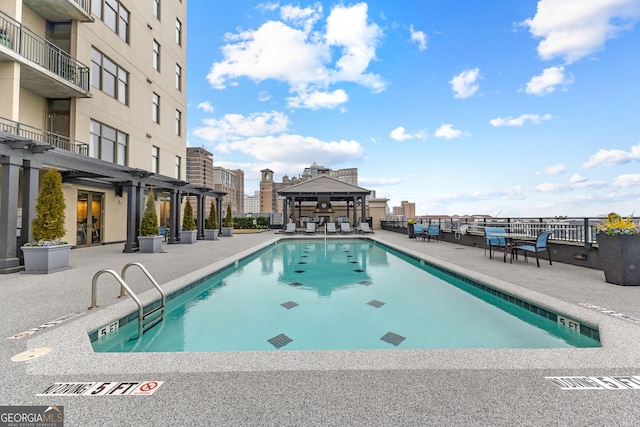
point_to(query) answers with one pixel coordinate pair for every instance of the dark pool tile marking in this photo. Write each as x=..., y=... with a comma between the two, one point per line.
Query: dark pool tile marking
x=376, y=303
x=289, y=304
x=302, y=262
x=279, y=340
x=357, y=270
x=299, y=271
x=392, y=338
x=366, y=282
x=294, y=284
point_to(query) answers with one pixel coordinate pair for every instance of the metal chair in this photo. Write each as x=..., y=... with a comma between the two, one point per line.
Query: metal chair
x=493, y=240
x=433, y=231
x=541, y=245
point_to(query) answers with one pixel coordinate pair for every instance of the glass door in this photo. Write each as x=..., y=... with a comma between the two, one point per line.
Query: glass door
x=90, y=219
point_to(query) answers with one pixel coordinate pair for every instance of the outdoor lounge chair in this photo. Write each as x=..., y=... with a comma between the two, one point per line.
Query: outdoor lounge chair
x=364, y=228
x=418, y=231
x=345, y=228
x=311, y=228
x=540, y=245
x=291, y=228
x=492, y=240
x=331, y=228
x=433, y=232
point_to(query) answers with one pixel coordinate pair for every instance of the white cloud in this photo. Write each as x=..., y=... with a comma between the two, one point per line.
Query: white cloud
x=447, y=131
x=464, y=84
x=547, y=82
x=554, y=169
x=612, y=157
x=206, y=106
x=264, y=96
x=573, y=29
x=302, y=57
x=519, y=121
x=418, y=37
x=400, y=134
x=232, y=126
x=316, y=100
x=627, y=180
x=577, y=179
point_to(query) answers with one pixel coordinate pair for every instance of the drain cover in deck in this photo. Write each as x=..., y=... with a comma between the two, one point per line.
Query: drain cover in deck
x=376, y=304
x=392, y=338
x=289, y=304
x=280, y=340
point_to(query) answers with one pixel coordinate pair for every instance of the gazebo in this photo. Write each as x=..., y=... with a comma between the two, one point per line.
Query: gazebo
x=325, y=199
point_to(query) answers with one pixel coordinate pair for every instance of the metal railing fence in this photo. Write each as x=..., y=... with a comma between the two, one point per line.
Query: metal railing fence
x=41, y=135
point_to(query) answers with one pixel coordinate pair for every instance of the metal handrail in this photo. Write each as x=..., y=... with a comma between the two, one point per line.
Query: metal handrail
x=28, y=44
x=53, y=139
x=146, y=272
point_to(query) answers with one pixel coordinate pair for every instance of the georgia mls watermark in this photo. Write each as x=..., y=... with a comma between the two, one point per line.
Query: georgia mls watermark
x=31, y=416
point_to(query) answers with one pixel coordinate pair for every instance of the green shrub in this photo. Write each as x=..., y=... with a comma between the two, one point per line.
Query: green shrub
x=228, y=219
x=188, y=221
x=211, y=223
x=149, y=224
x=49, y=222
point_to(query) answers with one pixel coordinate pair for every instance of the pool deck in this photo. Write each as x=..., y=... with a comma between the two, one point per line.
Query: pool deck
x=325, y=388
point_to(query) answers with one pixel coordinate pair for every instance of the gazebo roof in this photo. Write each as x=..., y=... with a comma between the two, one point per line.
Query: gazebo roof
x=324, y=186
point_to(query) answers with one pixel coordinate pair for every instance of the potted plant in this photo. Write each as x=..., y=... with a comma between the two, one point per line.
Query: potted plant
x=188, y=234
x=150, y=240
x=48, y=254
x=619, y=248
x=211, y=224
x=227, y=223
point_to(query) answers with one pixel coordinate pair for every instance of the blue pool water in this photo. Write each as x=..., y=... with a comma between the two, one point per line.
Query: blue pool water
x=356, y=294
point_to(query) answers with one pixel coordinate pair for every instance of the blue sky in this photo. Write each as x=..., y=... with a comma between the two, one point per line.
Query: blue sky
x=523, y=108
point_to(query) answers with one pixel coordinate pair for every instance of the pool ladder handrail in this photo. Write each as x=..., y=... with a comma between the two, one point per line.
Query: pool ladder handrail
x=145, y=321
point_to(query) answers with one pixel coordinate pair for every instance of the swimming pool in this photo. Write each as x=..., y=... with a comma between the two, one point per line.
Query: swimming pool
x=342, y=295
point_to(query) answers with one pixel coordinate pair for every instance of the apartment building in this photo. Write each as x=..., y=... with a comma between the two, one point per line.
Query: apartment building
x=230, y=182
x=95, y=89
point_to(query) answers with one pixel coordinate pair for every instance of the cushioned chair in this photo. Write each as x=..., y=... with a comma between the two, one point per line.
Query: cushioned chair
x=163, y=232
x=331, y=228
x=311, y=228
x=291, y=228
x=345, y=228
x=418, y=230
x=540, y=245
x=364, y=228
x=492, y=240
x=433, y=232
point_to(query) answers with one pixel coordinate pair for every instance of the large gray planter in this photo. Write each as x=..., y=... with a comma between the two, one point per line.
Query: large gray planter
x=188, y=236
x=210, y=234
x=620, y=258
x=46, y=259
x=150, y=244
x=227, y=231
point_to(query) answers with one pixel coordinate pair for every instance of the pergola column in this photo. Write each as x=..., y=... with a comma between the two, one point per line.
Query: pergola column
x=134, y=201
x=174, y=217
x=355, y=211
x=30, y=185
x=200, y=215
x=9, y=262
x=363, y=215
x=219, y=213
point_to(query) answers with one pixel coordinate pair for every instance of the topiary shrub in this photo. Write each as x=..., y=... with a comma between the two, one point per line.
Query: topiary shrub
x=228, y=219
x=149, y=224
x=48, y=226
x=188, y=221
x=211, y=223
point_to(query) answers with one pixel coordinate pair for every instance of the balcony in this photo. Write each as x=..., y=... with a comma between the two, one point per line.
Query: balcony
x=46, y=69
x=61, y=10
x=41, y=135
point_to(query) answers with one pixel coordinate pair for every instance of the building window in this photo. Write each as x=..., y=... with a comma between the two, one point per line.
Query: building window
x=155, y=109
x=178, y=167
x=178, y=32
x=107, y=143
x=178, y=122
x=114, y=15
x=156, y=55
x=156, y=8
x=179, y=77
x=109, y=77
x=155, y=159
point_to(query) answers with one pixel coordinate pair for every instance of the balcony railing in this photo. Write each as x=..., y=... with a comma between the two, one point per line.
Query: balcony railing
x=53, y=139
x=31, y=46
x=571, y=230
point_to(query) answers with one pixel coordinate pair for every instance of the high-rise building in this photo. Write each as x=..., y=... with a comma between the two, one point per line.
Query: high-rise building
x=232, y=183
x=95, y=89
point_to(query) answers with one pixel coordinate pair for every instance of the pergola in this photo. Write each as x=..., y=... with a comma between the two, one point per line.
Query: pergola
x=324, y=190
x=23, y=158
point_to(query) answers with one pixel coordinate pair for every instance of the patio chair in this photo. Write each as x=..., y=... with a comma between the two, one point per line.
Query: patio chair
x=433, y=231
x=291, y=228
x=492, y=240
x=364, y=228
x=163, y=232
x=311, y=228
x=331, y=228
x=418, y=231
x=540, y=245
x=345, y=228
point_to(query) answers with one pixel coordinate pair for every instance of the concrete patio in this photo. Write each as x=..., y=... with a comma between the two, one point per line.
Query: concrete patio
x=328, y=388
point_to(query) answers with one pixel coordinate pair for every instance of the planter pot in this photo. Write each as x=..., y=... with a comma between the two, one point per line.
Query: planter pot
x=150, y=244
x=411, y=232
x=45, y=259
x=210, y=234
x=620, y=258
x=227, y=231
x=190, y=236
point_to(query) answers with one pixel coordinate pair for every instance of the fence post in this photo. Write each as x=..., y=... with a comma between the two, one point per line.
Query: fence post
x=587, y=234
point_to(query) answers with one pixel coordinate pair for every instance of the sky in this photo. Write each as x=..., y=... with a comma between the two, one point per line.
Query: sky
x=506, y=108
